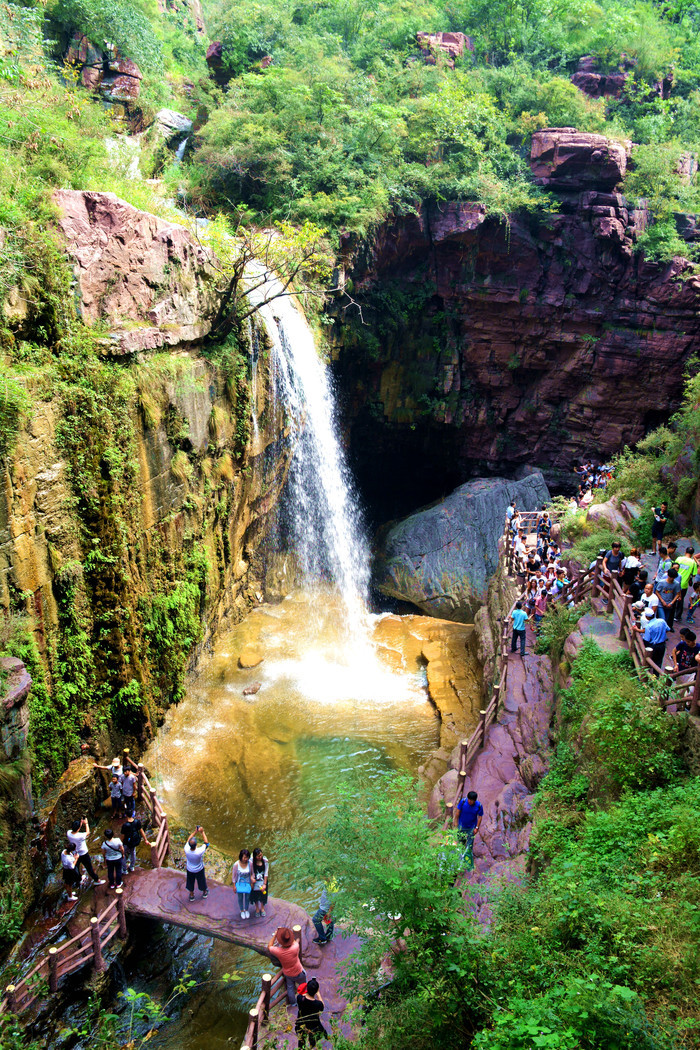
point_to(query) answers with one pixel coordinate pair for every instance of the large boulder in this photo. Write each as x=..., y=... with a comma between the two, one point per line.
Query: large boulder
x=564, y=158
x=147, y=278
x=442, y=557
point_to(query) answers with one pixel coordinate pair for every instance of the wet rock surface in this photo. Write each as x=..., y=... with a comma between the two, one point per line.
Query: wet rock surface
x=442, y=557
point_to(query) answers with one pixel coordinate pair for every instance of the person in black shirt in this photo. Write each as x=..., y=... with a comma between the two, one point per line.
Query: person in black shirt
x=308, y=1023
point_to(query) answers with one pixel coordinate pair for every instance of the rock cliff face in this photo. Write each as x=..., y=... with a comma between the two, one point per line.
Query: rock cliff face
x=134, y=501
x=442, y=557
x=147, y=278
x=488, y=345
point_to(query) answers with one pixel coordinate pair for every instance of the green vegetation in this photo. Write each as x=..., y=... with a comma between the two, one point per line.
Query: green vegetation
x=666, y=463
x=597, y=948
x=349, y=125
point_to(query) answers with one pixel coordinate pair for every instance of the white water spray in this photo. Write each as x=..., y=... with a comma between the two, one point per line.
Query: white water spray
x=329, y=536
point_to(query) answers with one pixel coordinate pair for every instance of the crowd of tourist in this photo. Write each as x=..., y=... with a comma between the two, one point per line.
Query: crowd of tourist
x=658, y=592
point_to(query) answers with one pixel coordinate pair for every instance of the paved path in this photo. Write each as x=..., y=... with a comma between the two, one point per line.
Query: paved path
x=161, y=894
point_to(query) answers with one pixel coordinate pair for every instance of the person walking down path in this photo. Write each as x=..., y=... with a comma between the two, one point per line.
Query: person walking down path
x=308, y=1023
x=660, y=522
x=113, y=850
x=687, y=567
x=668, y=589
x=261, y=873
x=115, y=791
x=242, y=879
x=284, y=948
x=71, y=878
x=470, y=813
x=324, y=925
x=654, y=630
x=194, y=859
x=132, y=833
x=77, y=837
x=519, y=619
x=129, y=786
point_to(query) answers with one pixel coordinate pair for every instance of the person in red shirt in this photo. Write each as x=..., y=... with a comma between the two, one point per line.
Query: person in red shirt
x=284, y=947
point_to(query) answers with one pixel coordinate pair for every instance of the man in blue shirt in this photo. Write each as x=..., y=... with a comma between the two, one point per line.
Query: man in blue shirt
x=654, y=630
x=519, y=618
x=470, y=812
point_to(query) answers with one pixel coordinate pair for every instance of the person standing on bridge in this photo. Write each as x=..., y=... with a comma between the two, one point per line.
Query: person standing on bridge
x=242, y=879
x=77, y=836
x=284, y=947
x=113, y=850
x=261, y=872
x=194, y=859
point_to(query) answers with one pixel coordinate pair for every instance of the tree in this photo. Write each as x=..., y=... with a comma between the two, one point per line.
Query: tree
x=257, y=266
x=397, y=889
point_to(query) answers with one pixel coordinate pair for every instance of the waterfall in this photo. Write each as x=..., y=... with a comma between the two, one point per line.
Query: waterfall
x=180, y=151
x=254, y=342
x=324, y=512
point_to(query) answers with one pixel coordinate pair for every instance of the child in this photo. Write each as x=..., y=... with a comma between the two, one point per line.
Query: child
x=115, y=791
x=694, y=602
x=71, y=877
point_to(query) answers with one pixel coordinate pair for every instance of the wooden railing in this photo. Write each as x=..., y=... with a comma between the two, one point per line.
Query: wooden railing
x=87, y=947
x=83, y=949
x=274, y=991
x=680, y=689
x=147, y=797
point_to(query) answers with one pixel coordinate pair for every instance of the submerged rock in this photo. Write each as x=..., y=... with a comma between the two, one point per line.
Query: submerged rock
x=442, y=557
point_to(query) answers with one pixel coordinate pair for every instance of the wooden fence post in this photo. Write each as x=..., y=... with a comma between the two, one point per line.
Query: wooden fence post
x=267, y=994
x=450, y=816
x=482, y=722
x=611, y=591
x=53, y=970
x=595, y=585
x=625, y=618
x=463, y=745
x=296, y=930
x=695, y=702
x=11, y=998
x=253, y=1015
x=461, y=777
x=154, y=799
x=125, y=759
x=155, y=861
x=96, y=944
x=121, y=911
x=139, y=781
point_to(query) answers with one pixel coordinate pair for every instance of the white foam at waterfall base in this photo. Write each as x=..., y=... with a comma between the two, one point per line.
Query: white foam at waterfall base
x=325, y=678
x=323, y=508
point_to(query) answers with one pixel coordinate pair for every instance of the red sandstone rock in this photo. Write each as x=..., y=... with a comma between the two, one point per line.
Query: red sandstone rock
x=146, y=277
x=570, y=159
x=600, y=85
x=556, y=327
x=451, y=44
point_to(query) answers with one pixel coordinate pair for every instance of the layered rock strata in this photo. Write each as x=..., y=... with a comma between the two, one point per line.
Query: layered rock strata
x=486, y=345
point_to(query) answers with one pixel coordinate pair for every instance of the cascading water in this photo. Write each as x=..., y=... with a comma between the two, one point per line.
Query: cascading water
x=323, y=509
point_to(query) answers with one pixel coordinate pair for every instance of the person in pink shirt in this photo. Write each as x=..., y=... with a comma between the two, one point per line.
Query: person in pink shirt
x=540, y=608
x=284, y=947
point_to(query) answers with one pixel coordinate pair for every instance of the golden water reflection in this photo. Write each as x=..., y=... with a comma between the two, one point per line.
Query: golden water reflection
x=246, y=767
